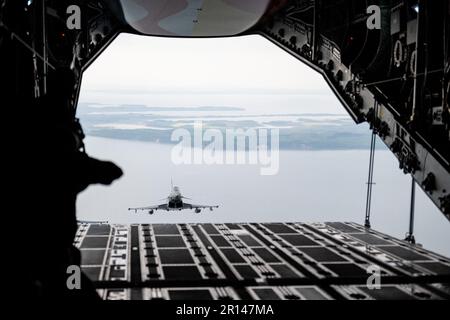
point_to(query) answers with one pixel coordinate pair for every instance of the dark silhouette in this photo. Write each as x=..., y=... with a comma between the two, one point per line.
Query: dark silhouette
x=45, y=148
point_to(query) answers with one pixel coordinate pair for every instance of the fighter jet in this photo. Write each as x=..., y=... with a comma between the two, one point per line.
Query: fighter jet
x=174, y=202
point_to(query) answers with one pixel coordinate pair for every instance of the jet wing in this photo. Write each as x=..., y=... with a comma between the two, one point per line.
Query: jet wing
x=197, y=206
x=157, y=207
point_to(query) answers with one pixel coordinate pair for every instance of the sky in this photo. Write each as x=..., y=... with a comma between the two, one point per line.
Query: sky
x=248, y=64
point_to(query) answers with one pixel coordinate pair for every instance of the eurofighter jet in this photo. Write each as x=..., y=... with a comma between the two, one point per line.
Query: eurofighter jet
x=174, y=202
